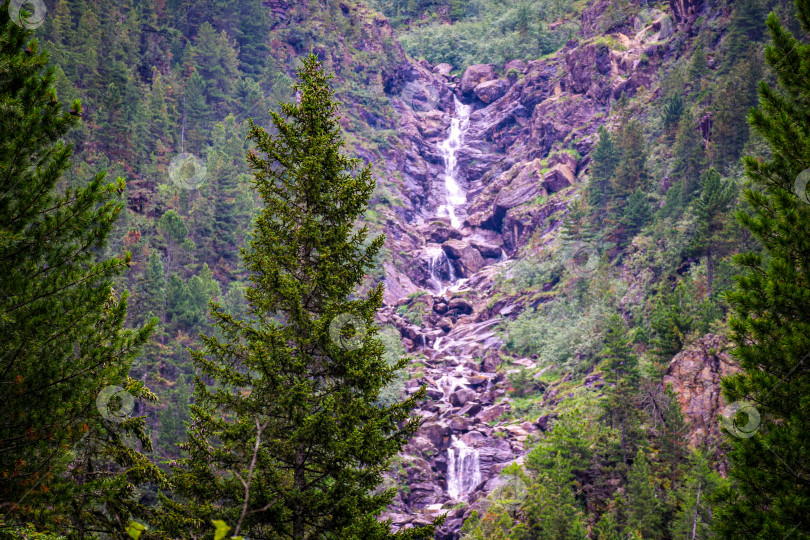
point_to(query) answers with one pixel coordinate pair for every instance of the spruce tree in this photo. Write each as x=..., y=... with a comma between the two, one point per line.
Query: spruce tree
x=689, y=160
x=644, y=506
x=621, y=403
x=671, y=321
x=671, y=113
x=214, y=58
x=716, y=196
x=694, y=516
x=631, y=172
x=64, y=466
x=288, y=438
x=551, y=509
x=637, y=213
x=605, y=159
x=770, y=461
x=576, y=226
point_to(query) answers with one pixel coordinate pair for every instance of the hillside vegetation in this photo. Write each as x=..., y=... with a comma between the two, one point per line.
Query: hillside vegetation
x=167, y=169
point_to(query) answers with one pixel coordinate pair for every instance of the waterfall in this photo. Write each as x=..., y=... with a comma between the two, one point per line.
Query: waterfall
x=463, y=469
x=440, y=268
x=454, y=194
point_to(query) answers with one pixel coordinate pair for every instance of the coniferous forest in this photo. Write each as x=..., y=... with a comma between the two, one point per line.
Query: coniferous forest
x=423, y=269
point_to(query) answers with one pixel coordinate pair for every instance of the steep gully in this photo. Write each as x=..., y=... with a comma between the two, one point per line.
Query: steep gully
x=487, y=165
x=461, y=396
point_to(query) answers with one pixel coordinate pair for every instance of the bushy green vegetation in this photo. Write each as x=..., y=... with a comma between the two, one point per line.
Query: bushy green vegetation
x=465, y=32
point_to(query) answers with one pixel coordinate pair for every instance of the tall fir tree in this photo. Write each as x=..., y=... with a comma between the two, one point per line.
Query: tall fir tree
x=605, y=159
x=689, y=161
x=576, y=226
x=671, y=114
x=770, y=463
x=716, y=197
x=621, y=403
x=631, y=171
x=291, y=441
x=694, y=516
x=551, y=509
x=64, y=460
x=643, y=503
x=216, y=61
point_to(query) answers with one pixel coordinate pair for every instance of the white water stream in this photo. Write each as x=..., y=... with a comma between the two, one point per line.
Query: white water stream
x=463, y=469
x=441, y=270
x=439, y=264
x=455, y=196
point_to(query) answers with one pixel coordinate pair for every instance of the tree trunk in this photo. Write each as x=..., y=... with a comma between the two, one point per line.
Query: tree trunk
x=694, y=519
x=299, y=481
x=709, y=270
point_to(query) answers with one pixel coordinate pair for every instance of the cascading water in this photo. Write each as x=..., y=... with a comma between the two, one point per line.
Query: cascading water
x=463, y=469
x=454, y=194
x=439, y=267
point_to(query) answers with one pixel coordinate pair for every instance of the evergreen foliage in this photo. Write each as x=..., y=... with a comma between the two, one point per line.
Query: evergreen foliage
x=770, y=495
x=64, y=460
x=287, y=436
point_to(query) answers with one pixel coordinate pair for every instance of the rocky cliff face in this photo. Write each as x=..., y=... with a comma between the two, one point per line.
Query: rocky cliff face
x=524, y=148
x=695, y=375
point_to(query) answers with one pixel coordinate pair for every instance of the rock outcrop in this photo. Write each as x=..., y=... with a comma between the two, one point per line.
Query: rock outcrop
x=695, y=375
x=475, y=75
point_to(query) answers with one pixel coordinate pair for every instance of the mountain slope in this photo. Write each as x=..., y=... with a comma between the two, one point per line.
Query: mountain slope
x=500, y=282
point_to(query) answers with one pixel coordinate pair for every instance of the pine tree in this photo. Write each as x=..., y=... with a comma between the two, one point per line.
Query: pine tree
x=694, y=516
x=672, y=112
x=291, y=441
x=671, y=321
x=644, y=515
x=631, y=172
x=698, y=67
x=216, y=61
x=252, y=35
x=605, y=159
x=621, y=403
x=576, y=226
x=152, y=290
x=746, y=25
x=716, y=196
x=689, y=160
x=730, y=130
x=637, y=213
x=770, y=492
x=62, y=336
x=195, y=114
x=229, y=192
x=551, y=508
x=174, y=231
